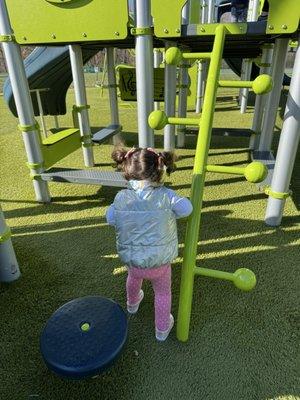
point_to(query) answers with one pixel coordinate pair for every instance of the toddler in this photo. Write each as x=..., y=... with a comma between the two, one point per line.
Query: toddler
x=144, y=217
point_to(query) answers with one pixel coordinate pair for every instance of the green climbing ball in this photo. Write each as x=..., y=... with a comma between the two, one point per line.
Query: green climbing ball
x=244, y=279
x=173, y=56
x=157, y=120
x=256, y=172
x=262, y=84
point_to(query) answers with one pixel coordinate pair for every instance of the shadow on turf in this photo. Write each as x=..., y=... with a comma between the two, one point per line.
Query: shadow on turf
x=226, y=324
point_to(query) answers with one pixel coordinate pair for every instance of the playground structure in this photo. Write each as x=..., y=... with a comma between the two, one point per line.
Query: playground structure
x=203, y=41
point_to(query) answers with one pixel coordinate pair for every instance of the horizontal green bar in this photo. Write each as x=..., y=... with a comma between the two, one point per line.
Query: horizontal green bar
x=225, y=170
x=183, y=121
x=236, y=84
x=194, y=56
x=213, y=273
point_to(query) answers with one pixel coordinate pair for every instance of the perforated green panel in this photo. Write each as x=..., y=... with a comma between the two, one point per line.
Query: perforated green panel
x=68, y=21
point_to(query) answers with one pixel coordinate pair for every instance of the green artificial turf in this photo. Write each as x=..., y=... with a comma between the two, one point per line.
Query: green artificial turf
x=242, y=346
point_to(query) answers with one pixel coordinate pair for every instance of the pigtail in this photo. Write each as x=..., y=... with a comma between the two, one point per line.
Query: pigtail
x=118, y=155
x=168, y=159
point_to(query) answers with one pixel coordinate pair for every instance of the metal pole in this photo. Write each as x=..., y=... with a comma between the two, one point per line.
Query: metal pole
x=204, y=11
x=202, y=65
x=132, y=10
x=41, y=112
x=211, y=11
x=144, y=73
x=81, y=102
x=182, y=102
x=279, y=59
x=9, y=268
x=170, y=99
x=260, y=100
x=183, y=84
x=247, y=67
x=112, y=87
x=287, y=149
x=56, y=123
x=19, y=83
x=247, y=64
x=157, y=58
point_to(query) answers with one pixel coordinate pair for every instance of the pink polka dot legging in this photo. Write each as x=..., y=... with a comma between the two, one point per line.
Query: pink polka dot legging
x=161, y=282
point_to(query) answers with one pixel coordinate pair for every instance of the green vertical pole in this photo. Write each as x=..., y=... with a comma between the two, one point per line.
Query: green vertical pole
x=203, y=142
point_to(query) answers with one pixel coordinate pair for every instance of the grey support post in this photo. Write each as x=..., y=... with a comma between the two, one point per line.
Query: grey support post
x=9, y=269
x=81, y=103
x=157, y=58
x=144, y=72
x=170, y=99
x=183, y=85
x=279, y=60
x=260, y=100
x=202, y=64
x=20, y=88
x=182, y=102
x=247, y=64
x=112, y=87
x=211, y=11
x=287, y=150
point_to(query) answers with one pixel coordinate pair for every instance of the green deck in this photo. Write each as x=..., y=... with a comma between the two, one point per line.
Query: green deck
x=241, y=346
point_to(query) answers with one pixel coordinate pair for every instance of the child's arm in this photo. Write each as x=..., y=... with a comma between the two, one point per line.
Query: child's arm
x=181, y=206
x=110, y=215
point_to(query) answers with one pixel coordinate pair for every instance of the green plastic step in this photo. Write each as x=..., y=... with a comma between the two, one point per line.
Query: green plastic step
x=106, y=133
x=57, y=137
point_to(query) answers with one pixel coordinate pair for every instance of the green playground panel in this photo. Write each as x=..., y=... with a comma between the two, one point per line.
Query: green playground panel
x=283, y=16
x=167, y=17
x=59, y=145
x=67, y=21
x=127, y=84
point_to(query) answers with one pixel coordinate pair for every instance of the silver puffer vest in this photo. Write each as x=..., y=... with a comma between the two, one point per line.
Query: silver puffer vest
x=146, y=227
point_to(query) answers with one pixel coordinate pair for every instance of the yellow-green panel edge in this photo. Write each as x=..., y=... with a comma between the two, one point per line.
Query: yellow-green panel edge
x=167, y=17
x=283, y=16
x=44, y=22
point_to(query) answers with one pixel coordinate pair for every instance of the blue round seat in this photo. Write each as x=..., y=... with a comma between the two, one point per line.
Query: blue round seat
x=84, y=337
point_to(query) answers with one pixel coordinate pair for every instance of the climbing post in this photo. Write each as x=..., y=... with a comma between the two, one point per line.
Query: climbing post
x=252, y=15
x=81, y=104
x=183, y=85
x=144, y=71
x=170, y=99
x=279, y=60
x=287, y=149
x=157, y=59
x=193, y=226
x=112, y=88
x=27, y=123
x=260, y=100
x=9, y=268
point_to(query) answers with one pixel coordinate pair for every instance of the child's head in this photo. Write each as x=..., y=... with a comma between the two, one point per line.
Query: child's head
x=144, y=164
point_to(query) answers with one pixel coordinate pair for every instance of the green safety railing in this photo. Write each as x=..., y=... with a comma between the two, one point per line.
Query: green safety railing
x=242, y=278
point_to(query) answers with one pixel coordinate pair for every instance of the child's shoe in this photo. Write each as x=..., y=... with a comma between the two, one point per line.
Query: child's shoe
x=133, y=308
x=161, y=336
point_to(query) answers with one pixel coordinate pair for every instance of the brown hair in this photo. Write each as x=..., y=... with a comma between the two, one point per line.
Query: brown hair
x=144, y=164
